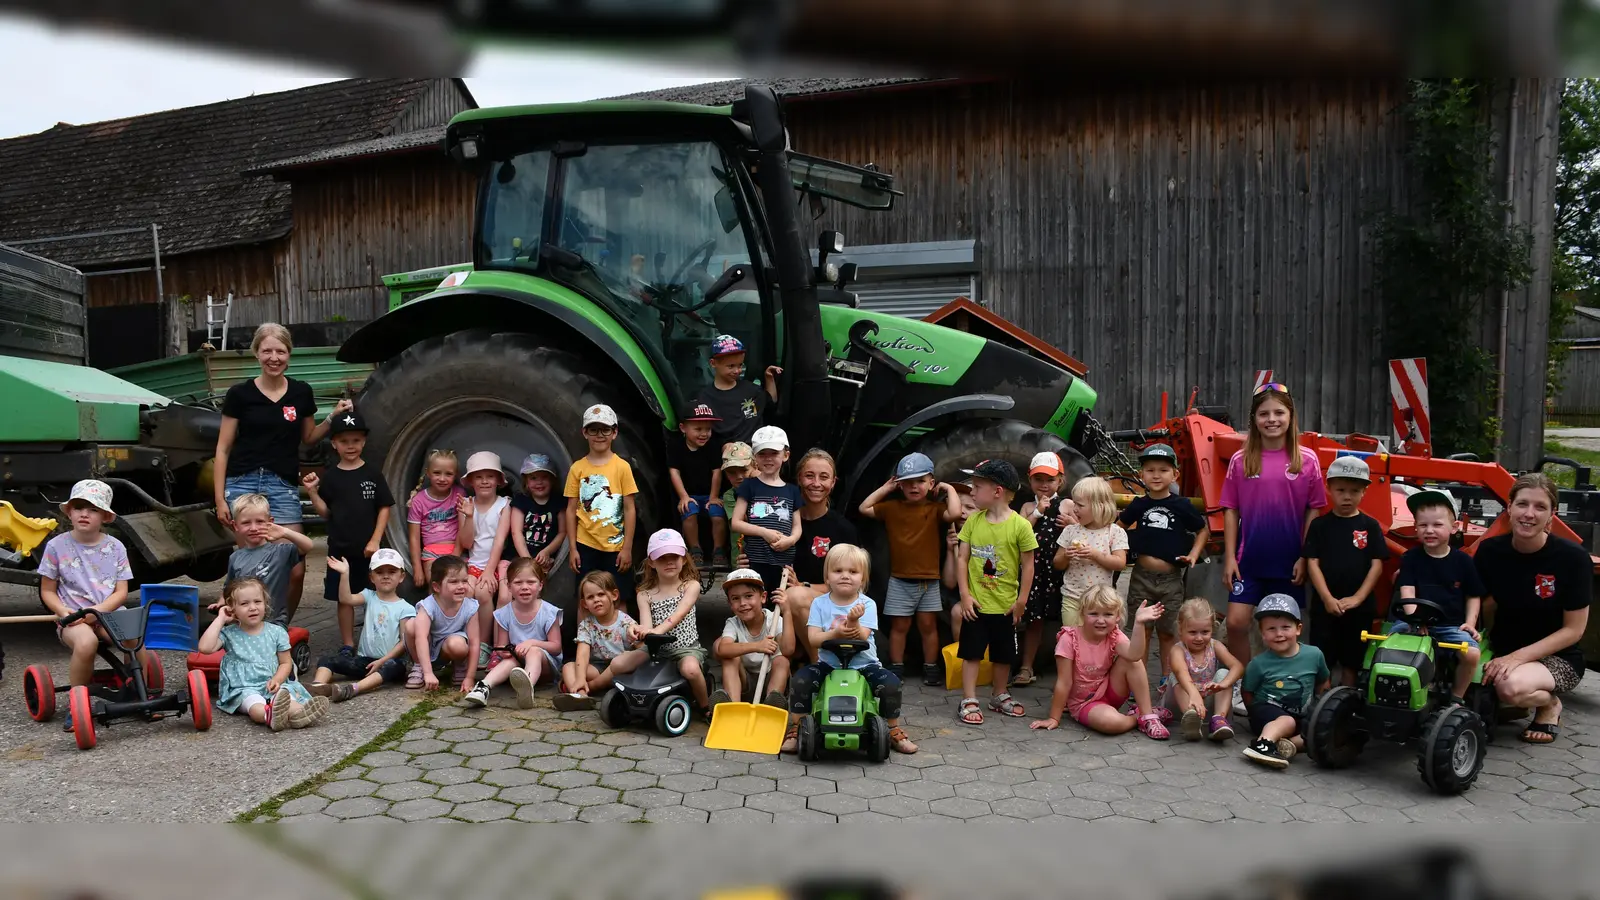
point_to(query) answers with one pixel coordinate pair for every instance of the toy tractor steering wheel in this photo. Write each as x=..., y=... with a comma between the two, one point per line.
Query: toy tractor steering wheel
x=1426, y=613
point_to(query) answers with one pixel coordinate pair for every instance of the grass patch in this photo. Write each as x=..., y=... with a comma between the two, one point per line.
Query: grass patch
x=1562, y=475
x=408, y=720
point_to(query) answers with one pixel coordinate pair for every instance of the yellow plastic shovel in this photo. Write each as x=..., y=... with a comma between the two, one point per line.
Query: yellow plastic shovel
x=751, y=727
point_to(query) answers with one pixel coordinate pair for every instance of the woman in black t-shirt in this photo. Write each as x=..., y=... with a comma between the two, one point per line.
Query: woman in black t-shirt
x=1541, y=587
x=264, y=422
x=821, y=529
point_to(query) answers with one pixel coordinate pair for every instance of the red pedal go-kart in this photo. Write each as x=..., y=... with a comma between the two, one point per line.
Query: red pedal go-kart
x=126, y=690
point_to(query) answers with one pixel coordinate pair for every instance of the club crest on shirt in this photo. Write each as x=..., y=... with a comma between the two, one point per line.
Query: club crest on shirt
x=1544, y=586
x=290, y=414
x=1359, y=539
x=820, y=546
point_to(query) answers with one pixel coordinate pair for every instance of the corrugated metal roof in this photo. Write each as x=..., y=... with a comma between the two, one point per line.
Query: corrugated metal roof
x=912, y=298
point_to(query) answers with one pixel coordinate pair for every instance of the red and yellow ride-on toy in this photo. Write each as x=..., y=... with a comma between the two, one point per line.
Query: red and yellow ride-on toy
x=130, y=688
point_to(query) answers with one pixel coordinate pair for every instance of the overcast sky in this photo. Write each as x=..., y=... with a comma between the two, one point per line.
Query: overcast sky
x=77, y=76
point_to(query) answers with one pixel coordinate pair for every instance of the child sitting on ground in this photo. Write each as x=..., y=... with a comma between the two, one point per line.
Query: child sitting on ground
x=446, y=629
x=995, y=566
x=608, y=640
x=538, y=527
x=696, y=477
x=385, y=633
x=267, y=552
x=1439, y=572
x=1092, y=547
x=527, y=638
x=1344, y=553
x=912, y=525
x=1045, y=477
x=433, y=517
x=354, y=499
x=1098, y=668
x=83, y=569
x=1201, y=667
x=668, y=591
x=1279, y=684
x=751, y=634
x=483, y=532
x=256, y=674
x=768, y=509
x=845, y=613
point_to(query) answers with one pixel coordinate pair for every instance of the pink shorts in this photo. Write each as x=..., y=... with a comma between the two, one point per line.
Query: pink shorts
x=1106, y=699
x=431, y=552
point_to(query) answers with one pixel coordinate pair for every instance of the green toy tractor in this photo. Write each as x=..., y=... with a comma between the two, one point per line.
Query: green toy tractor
x=1403, y=695
x=844, y=717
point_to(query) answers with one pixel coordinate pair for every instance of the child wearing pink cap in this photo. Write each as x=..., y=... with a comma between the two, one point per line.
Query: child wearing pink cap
x=668, y=591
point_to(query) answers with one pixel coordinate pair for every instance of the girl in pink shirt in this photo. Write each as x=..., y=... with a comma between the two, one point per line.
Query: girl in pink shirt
x=1272, y=492
x=433, y=517
x=1099, y=668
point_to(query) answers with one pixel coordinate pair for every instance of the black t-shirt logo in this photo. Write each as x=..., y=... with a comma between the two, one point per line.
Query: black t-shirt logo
x=820, y=546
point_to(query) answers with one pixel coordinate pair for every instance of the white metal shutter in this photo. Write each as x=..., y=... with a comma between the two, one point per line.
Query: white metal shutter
x=913, y=298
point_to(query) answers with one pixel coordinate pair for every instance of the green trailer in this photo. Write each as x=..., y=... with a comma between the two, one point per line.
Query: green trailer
x=66, y=421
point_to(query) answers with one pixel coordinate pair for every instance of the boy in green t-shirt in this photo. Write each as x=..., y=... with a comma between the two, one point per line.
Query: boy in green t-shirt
x=1279, y=684
x=994, y=565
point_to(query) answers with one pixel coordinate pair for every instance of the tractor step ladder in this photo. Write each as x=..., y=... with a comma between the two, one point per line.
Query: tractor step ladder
x=218, y=314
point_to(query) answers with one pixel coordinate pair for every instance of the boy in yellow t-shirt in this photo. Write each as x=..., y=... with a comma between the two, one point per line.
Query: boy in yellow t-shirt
x=600, y=512
x=994, y=569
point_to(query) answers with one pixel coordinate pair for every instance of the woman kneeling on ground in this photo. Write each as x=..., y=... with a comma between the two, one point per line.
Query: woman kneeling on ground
x=1540, y=586
x=821, y=529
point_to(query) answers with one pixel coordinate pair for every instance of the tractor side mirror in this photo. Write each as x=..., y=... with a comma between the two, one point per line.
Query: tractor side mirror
x=847, y=275
x=727, y=210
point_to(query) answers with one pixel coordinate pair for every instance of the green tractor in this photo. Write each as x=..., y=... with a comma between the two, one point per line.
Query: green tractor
x=613, y=241
x=1403, y=695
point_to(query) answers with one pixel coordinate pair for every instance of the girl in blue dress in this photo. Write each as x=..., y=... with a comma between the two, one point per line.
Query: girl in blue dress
x=256, y=676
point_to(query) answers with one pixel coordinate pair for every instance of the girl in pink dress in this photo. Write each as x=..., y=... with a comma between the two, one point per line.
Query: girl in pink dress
x=1098, y=668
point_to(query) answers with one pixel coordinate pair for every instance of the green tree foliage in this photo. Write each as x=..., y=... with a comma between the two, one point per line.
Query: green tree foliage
x=1576, y=248
x=1444, y=253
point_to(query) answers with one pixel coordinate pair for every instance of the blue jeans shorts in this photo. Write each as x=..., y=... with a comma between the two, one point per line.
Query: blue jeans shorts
x=697, y=505
x=282, y=497
x=1441, y=634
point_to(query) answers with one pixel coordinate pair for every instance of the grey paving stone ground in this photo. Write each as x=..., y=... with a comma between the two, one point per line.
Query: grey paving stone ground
x=540, y=765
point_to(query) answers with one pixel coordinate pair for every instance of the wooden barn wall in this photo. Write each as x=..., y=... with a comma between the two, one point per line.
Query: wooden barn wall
x=355, y=224
x=248, y=272
x=1169, y=237
x=1578, y=401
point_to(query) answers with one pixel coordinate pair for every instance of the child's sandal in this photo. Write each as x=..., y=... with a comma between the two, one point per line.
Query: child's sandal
x=1023, y=678
x=969, y=713
x=791, y=740
x=899, y=743
x=1007, y=705
x=1150, y=724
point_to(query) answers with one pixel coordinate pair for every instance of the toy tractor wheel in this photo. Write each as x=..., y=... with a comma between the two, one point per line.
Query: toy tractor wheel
x=877, y=739
x=39, y=690
x=1333, y=738
x=155, y=674
x=82, y=708
x=807, y=739
x=673, y=716
x=1453, y=745
x=613, y=709
x=199, y=701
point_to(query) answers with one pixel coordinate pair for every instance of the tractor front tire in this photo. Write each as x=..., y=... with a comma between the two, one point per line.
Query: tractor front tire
x=1453, y=744
x=965, y=444
x=1333, y=739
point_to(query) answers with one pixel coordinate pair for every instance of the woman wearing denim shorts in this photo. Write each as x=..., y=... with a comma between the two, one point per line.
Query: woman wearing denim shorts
x=264, y=422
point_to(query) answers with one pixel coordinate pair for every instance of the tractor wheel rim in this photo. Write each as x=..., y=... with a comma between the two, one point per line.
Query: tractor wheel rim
x=1464, y=755
x=509, y=429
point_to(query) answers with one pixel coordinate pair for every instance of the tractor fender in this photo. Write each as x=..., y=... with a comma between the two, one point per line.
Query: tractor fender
x=986, y=404
x=501, y=309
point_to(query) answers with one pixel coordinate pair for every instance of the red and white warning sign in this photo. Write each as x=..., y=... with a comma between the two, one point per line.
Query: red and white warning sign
x=1263, y=376
x=1408, y=402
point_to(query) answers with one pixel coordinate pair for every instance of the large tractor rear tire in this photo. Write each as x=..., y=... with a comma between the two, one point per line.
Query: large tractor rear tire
x=510, y=393
x=966, y=444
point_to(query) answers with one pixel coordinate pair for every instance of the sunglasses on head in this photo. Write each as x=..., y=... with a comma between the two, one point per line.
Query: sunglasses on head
x=1278, y=386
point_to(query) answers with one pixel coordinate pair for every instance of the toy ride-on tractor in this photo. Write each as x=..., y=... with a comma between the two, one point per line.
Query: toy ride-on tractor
x=655, y=692
x=129, y=689
x=1403, y=695
x=844, y=717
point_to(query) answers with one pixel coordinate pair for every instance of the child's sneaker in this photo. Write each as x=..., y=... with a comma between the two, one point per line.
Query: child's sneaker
x=1238, y=701
x=699, y=557
x=899, y=669
x=278, y=710
x=1220, y=729
x=478, y=696
x=523, y=686
x=720, y=561
x=932, y=676
x=342, y=691
x=414, y=678
x=1266, y=753
x=1286, y=749
x=309, y=714
x=1190, y=725
x=720, y=696
x=458, y=674
x=778, y=699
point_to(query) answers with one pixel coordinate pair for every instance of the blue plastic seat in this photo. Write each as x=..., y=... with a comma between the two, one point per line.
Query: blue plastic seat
x=167, y=628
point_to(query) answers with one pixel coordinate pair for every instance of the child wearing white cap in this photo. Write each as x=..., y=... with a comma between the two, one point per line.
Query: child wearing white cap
x=483, y=533
x=767, y=507
x=82, y=568
x=600, y=493
x=380, y=658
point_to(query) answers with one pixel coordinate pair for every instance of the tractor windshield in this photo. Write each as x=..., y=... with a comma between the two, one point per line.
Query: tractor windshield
x=643, y=229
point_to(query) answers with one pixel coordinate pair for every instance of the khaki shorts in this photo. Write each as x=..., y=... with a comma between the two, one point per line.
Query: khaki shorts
x=1071, y=610
x=1165, y=588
